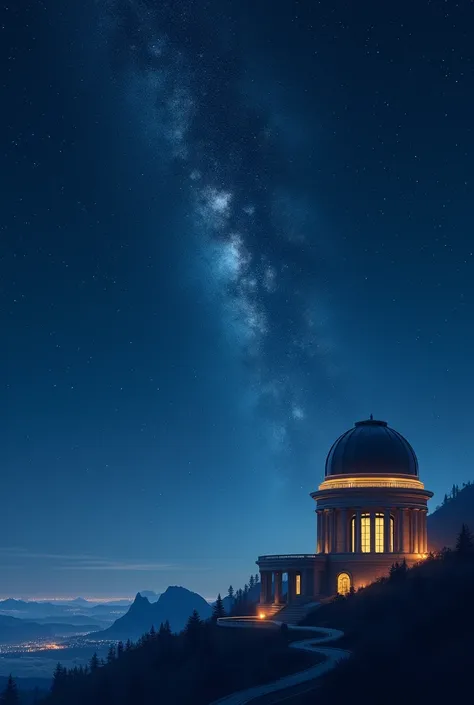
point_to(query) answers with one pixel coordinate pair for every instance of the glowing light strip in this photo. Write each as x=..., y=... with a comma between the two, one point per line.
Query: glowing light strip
x=362, y=482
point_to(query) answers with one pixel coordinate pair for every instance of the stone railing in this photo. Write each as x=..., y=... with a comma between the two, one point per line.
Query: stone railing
x=289, y=556
x=364, y=483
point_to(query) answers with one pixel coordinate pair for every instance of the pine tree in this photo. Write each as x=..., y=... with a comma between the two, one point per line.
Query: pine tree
x=59, y=676
x=152, y=632
x=165, y=630
x=257, y=578
x=111, y=655
x=445, y=500
x=128, y=645
x=10, y=694
x=251, y=582
x=94, y=662
x=165, y=639
x=465, y=542
x=218, y=610
x=193, y=629
x=119, y=649
x=230, y=592
x=398, y=571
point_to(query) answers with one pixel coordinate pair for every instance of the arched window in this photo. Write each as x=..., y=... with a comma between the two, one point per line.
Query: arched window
x=379, y=533
x=343, y=583
x=365, y=529
x=364, y=533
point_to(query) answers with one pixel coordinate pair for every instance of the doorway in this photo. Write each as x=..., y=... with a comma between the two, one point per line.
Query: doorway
x=343, y=583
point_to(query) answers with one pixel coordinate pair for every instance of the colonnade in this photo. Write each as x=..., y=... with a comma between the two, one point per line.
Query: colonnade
x=394, y=530
x=300, y=583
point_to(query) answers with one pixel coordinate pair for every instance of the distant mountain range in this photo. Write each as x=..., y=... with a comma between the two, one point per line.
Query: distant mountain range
x=16, y=631
x=176, y=604
x=22, y=608
x=64, y=611
x=445, y=523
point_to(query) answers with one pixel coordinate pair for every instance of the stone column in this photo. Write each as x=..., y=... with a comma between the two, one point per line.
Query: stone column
x=395, y=529
x=278, y=584
x=372, y=532
x=327, y=531
x=425, y=532
x=387, y=531
x=421, y=531
x=318, y=533
x=411, y=523
x=291, y=586
x=269, y=598
x=343, y=530
x=323, y=532
x=410, y=530
x=333, y=531
x=263, y=586
x=416, y=531
x=422, y=544
x=401, y=530
x=357, y=532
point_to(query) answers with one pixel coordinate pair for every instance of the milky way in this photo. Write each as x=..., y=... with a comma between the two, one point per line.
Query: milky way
x=260, y=253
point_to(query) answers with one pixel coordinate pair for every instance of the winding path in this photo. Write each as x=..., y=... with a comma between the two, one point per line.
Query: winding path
x=331, y=656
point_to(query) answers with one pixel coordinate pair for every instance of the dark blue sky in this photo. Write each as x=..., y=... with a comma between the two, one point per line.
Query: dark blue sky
x=229, y=230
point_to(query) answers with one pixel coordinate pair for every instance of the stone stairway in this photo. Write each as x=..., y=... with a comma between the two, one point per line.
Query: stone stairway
x=295, y=612
x=268, y=610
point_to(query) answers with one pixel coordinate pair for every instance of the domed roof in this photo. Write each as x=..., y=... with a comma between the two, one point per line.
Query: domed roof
x=370, y=448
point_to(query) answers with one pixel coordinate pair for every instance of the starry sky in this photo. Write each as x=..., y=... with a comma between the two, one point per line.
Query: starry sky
x=230, y=229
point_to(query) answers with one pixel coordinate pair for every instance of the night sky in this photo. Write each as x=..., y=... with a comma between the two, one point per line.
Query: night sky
x=229, y=230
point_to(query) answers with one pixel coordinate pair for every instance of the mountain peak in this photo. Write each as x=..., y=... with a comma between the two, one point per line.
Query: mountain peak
x=175, y=588
x=139, y=605
x=176, y=604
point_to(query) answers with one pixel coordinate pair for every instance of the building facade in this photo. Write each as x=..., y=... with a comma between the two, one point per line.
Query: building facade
x=371, y=512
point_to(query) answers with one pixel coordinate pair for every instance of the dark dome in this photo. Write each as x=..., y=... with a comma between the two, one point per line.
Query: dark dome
x=371, y=447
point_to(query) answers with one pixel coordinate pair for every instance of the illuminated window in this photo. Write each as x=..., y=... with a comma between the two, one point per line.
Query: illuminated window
x=379, y=537
x=343, y=583
x=298, y=584
x=380, y=533
x=364, y=533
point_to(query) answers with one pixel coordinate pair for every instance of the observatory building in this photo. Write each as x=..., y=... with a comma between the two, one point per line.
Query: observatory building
x=371, y=512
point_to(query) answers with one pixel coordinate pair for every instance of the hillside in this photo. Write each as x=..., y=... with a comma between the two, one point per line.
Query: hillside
x=193, y=668
x=175, y=605
x=415, y=626
x=444, y=523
